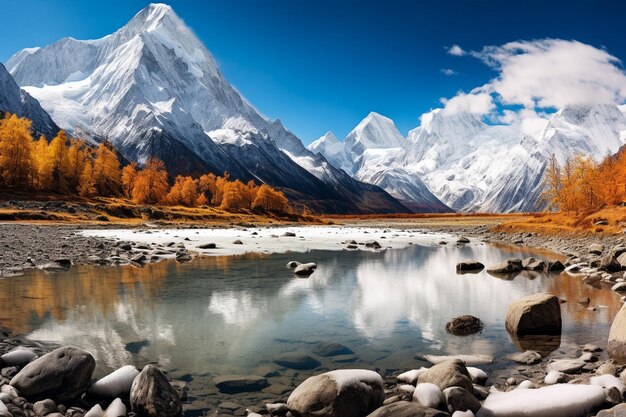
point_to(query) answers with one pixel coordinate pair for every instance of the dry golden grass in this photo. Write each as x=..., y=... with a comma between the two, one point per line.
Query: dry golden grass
x=569, y=223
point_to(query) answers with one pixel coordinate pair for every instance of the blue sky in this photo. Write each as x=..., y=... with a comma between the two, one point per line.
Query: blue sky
x=323, y=65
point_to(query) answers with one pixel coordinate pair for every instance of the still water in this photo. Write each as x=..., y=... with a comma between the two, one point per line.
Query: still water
x=233, y=314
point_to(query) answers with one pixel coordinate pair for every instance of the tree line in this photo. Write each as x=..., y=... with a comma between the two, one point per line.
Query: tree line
x=71, y=166
x=582, y=185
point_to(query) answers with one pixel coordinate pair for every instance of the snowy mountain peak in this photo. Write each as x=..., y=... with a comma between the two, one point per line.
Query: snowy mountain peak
x=329, y=137
x=375, y=131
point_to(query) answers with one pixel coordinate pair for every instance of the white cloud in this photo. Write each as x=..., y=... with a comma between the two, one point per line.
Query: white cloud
x=448, y=71
x=456, y=50
x=553, y=73
x=540, y=76
x=477, y=102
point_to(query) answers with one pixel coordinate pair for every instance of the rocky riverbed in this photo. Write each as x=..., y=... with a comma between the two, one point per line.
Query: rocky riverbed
x=596, y=259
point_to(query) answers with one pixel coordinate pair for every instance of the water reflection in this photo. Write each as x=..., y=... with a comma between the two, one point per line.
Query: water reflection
x=232, y=314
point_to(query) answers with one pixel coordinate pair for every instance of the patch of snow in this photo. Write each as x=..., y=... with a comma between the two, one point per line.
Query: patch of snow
x=410, y=377
x=608, y=381
x=429, y=395
x=116, y=383
x=348, y=377
x=561, y=400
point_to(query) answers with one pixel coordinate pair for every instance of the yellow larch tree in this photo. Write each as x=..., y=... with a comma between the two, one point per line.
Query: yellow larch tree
x=17, y=164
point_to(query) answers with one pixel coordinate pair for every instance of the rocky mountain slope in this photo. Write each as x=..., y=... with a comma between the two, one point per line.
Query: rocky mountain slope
x=17, y=101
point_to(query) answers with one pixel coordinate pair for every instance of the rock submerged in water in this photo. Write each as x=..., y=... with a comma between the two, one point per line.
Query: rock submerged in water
x=469, y=266
x=534, y=315
x=297, y=361
x=305, y=269
x=233, y=384
x=62, y=375
x=529, y=357
x=151, y=395
x=464, y=325
x=341, y=393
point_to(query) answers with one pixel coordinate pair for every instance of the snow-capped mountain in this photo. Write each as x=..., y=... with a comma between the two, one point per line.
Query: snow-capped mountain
x=334, y=151
x=472, y=166
x=17, y=101
x=369, y=152
x=154, y=90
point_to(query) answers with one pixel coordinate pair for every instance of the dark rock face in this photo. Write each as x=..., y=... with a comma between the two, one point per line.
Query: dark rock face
x=62, y=375
x=464, y=325
x=407, y=409
x=459, y=399
x=321, y=395
x=17, y=101
x=535, y=314
x=151, y=395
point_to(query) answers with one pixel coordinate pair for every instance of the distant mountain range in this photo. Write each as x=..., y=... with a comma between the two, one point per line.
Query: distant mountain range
x=153, y=90
x=467, y=164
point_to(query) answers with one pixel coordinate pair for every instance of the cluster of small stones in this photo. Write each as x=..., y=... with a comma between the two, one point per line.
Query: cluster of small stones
x=59, y=384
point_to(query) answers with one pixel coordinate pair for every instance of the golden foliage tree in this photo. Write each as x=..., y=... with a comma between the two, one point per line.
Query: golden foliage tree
x=16, y=152
x=151, y=184
x=78, y=157
x=58, y=154
x=43, y=165
x=271, y=200
x=129, y=176
x=87, y=183
x=189, y=192
x=106, y=171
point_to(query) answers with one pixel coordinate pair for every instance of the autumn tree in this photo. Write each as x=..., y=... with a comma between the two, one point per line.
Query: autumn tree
x=271, y=200
x=16, y=152
x=106, y=171
x=151, y=183
x=552, y=184
x=58, y=154
x=207, y=185
x=43, y=165
x=129, y=176
x=218, y=194
x=174, y=196
x=189, y=192
x=87, y=183
x=236, y=196
x=78, y=156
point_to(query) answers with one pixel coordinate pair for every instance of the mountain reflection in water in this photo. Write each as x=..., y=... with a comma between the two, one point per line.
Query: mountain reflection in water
x=232, y=314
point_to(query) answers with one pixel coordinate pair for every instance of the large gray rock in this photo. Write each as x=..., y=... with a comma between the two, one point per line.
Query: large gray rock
x=450, y=373
x=152, y=395
x=535, y=314
x=407, y=409
x=617, y=411
x=62, y=375
x=617, y=337
x=341, y=393
x=459, y=399
x=610, y=262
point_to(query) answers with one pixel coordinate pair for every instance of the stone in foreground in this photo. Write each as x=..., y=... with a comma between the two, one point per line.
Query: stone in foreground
x=114, y=384
x=62, y=375
x=617, y=337
x=152, y=395
x=510, y=266
x=535, y=314
x=451, y=373
x=529, y=357
x=341, y=393
x=407, y=409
